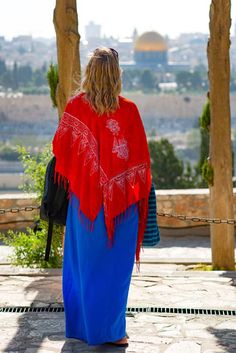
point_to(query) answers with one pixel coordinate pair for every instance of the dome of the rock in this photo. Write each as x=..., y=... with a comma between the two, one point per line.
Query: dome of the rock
x=150, y=41
x=150, y=50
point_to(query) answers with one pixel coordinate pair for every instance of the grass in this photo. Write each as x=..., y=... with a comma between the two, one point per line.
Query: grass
x=204, y=267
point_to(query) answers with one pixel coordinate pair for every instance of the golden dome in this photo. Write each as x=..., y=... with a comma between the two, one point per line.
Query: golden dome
x=150, y=41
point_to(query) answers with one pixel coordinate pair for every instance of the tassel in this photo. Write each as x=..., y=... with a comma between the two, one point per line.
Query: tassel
x=85, y=221
x=138, y=266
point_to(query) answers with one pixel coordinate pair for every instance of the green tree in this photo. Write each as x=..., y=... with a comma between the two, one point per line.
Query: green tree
x=183, y=80
x=147, y=80
x=196, y=80
x=39, y=77
x=25, y=74
x=167, y=169
x=7, y=79
x=190, y=80
x=3, y=67
x=15, y=80
x=204, y=153
x=128, y=80
x=204, y=122
x=21, y=50
x=53, y=79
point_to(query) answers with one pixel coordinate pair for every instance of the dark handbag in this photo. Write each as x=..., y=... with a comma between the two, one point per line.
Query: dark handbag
x=54, y=203
x=152, y=234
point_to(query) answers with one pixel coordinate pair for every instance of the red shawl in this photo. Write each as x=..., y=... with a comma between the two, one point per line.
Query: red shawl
x=105, y=159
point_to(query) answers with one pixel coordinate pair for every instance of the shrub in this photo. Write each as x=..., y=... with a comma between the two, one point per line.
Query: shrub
x=29, y=246
x=8, y=153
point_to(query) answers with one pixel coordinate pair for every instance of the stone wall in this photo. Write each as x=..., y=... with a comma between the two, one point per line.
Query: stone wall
x=191, y=202
x=17, y=200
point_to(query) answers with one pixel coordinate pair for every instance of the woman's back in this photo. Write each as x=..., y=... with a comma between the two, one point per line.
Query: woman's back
x=101, y=150
x=105, y=158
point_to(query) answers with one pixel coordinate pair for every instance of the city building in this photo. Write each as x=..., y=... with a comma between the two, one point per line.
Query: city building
x=150, y=50
x=92, y=30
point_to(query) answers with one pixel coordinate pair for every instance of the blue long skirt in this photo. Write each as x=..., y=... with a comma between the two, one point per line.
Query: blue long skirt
x=96, y=276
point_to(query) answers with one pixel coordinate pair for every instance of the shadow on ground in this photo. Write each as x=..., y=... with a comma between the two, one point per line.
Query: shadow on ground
x=231, y=275
x=43, y=331
x=226, y=338
x=77, y=346
x=184, y=237
x=31, y=329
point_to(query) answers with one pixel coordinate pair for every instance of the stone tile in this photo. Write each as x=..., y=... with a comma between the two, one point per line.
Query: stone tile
x=174, y=332
x=141, y=348
x=195, y=325
x=56, y=342
x=227, y=324
x=184, y=347
x=153, y=333
x=49, y=325
x=215, y=350
x=199, y=334
x=41, y=350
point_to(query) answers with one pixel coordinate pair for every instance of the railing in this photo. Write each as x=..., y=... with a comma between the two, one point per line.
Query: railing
x=180, y=217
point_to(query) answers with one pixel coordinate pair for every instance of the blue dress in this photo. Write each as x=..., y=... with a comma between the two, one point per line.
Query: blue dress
x=96, y=276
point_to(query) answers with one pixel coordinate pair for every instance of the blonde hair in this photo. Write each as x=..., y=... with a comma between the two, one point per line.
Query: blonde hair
x=102, y=82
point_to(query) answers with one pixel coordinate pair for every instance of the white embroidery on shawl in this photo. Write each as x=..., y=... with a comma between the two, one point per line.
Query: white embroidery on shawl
x=142, y=173
x=103, y=177
x=87, y=143
x=121, y=184
x=113, y=126
x=129, y=176
x=120, y=145
x=94, y=167
x=61, y=130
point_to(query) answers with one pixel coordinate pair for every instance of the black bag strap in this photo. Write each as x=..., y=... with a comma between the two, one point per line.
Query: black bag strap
x=49, y=239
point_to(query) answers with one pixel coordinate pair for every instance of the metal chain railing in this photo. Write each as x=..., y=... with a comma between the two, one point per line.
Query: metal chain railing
x=18, y=209
x=197, y=219
x=160, y=214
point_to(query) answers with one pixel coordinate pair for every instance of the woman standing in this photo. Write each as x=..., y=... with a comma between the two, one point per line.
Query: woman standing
x=101, y=149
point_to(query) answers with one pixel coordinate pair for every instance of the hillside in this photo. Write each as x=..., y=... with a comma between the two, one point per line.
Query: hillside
x=38, y=108
x=172, y=106
x=26, y=109
x=167, y=114
x=31, y=121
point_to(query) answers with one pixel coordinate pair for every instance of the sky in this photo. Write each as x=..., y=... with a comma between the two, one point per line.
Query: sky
x=118, y=18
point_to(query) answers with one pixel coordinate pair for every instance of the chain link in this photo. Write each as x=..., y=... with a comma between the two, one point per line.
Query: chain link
x=160, y=214
x=18, y=209
x=197, y=219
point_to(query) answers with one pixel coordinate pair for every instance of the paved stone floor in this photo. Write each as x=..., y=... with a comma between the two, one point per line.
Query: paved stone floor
x=160, y=285
x=149, y=333
x=180, y=244
x=192, y=245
